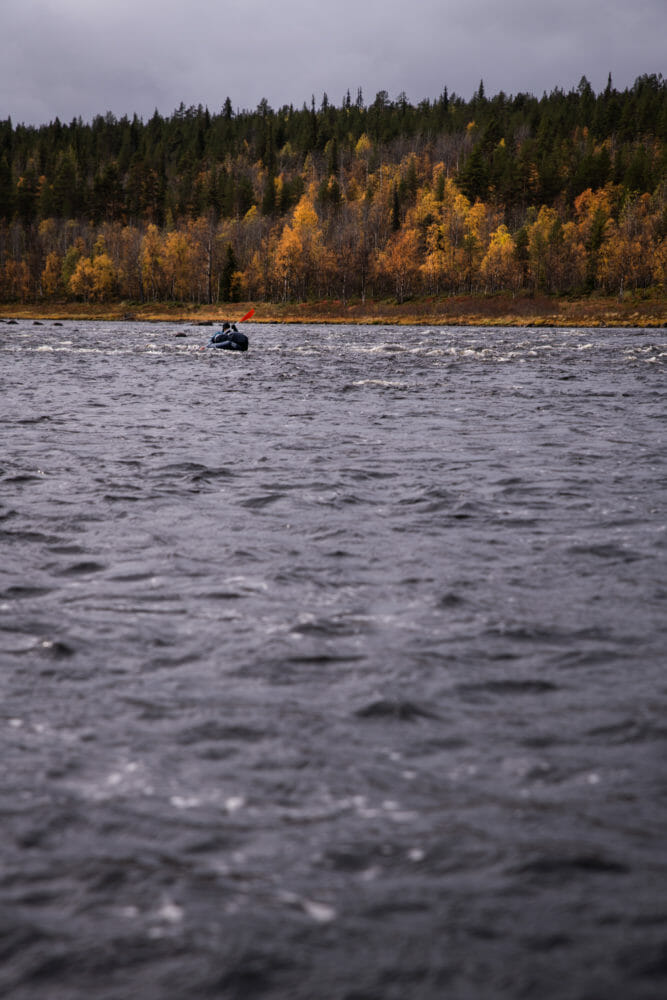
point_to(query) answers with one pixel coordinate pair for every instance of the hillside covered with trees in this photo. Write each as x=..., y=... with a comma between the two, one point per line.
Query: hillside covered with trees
x=564, y=194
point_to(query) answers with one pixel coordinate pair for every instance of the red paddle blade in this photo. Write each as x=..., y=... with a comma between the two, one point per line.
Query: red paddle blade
x=247, y=315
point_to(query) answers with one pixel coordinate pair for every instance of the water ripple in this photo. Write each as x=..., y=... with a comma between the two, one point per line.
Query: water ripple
x=340, y=663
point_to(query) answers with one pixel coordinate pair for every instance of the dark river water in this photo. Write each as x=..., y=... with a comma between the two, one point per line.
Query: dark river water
x=334, y=670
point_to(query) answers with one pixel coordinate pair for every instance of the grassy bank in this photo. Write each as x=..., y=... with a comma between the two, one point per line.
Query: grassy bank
x=500, y=310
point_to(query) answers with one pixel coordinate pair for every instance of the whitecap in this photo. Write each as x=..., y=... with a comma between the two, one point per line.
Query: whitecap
x=234, y=803
x=170, y=912
x=386, y=383
x=182, y=802
x=321, y=913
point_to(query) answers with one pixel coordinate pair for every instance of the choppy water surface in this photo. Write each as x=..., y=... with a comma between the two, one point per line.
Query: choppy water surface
x=336, y=670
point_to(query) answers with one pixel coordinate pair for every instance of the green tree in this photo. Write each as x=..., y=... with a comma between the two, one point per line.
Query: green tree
x=6, y=189
x=395, y=210
x=65, y=186
x=27, y=191
x=473, y=179
x=269, y=196
x=229, y=269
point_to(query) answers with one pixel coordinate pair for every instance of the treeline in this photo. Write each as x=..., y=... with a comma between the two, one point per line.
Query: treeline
x=563, y=194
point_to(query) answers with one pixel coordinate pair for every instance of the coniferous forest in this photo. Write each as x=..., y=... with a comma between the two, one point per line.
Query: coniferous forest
x=562, y=195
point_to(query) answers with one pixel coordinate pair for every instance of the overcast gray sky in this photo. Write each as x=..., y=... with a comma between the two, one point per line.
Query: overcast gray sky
x=67, y=58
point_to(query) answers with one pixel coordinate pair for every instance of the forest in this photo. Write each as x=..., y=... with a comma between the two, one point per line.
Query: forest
x=560, y=195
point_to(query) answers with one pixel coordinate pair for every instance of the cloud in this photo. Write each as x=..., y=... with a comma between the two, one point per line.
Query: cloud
x=86, y=57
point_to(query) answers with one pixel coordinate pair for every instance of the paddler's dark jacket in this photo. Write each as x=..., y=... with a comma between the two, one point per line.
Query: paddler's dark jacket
x=229, y=339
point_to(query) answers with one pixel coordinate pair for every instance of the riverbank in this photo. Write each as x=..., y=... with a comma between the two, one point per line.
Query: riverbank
x=500, y=310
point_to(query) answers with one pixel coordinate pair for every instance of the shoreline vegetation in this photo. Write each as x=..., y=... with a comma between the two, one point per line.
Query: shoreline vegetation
x=459, y=310
x=494, y=210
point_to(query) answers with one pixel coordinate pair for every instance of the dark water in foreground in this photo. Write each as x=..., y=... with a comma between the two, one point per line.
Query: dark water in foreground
x=336, y=670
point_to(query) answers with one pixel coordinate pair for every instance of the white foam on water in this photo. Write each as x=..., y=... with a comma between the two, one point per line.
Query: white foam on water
x=170, y=912
x=321, y=913
x=185, y=802
x=386, y=383
x=234, y=803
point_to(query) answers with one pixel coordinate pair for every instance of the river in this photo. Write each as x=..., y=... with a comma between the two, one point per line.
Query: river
x=334, y=670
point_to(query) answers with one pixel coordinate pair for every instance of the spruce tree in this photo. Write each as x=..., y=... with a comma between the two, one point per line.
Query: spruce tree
x=227, y=276
x=6, y=189
x=395, y=210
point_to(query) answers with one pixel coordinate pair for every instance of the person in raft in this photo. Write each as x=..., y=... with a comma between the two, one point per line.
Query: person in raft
x=229, y=338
